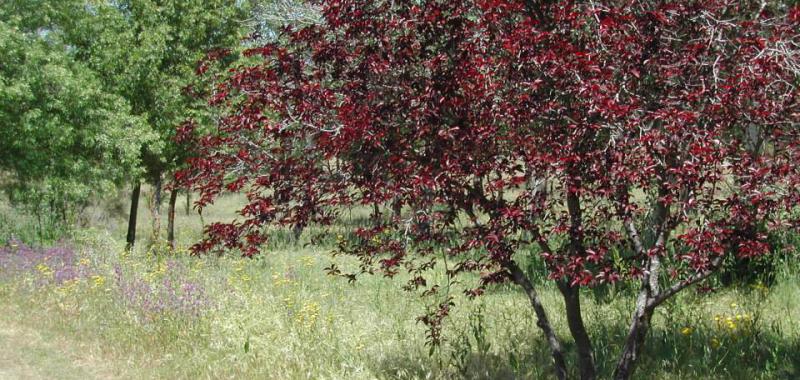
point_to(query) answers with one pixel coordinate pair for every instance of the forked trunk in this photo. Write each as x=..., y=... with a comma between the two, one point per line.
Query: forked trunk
x=173, y=199
x=131, y=238
x=650, y=294
x=646, y=304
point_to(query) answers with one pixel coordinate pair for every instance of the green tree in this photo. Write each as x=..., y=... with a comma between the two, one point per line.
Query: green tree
x=60, y=128
x=145, y=51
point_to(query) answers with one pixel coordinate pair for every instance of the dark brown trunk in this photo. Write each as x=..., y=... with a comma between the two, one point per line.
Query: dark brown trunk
x=155, y=210
x=542, y=321
x=583, y=343
x=397, y=208
x=188, y=202
x=376, y=214
x=173, y=199
x=297, y=231
x=571, y=294
x=40, y=232
x=131, y=238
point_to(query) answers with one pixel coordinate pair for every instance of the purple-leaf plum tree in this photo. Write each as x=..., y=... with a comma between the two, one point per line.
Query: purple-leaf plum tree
x=624, y=140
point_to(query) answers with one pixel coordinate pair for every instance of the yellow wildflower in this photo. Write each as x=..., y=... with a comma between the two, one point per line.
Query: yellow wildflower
x=760, y=286
x=98, y=281
x=278, y=280
x=687, y=330
x=308, y=261
x=308, y=314
x=44, y=270
x=68, y=286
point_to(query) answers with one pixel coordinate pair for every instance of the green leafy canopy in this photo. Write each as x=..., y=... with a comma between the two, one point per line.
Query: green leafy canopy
x=63, y=138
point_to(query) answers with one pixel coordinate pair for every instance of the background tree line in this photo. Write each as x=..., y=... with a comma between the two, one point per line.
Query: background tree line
x=92, y=92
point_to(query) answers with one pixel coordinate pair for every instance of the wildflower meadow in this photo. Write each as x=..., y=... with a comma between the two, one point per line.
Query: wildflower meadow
x=153, y=313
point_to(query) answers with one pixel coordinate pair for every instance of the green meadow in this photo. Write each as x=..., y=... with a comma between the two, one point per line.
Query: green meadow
x=83, y=307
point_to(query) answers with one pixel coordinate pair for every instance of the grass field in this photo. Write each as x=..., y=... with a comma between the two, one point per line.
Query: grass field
x=84, y=308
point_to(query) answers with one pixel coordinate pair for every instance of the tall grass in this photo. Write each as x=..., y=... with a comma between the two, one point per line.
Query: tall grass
x=35, y=229
x=154, y=315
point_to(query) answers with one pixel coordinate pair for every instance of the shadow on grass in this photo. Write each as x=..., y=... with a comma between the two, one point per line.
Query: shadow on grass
x=669, y=354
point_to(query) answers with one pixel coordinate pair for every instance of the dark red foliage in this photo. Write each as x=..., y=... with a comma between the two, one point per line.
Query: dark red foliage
x=603, y=133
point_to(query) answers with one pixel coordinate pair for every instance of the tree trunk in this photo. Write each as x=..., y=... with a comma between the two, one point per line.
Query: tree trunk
x=376, y=214
x=397, y=208
x=650, y=295
x=583, y=343
x=297, y=231
x=188, y=202
x=541, y=319
x=173, y=199
x=571, y=294
x=40, y=232
x=155, y=210
x=634, y=342
x=131, y=238
x=646, y=304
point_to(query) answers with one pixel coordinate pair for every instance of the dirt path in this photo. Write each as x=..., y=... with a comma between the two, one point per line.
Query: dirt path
x=26, y=353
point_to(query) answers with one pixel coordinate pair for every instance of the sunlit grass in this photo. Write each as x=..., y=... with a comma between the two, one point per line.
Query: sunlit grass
x=280, y=316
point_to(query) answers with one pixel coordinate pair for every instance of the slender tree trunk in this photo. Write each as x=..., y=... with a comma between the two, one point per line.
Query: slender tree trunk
x=155, y=210
x=376, y=214
x=646, y=301
x=571, y=294
x=397, y=208
x=131, y=238
x=63, y=210
x=583, y=343
x=173, y=199
x=541, y=319
x=640, y=324
x=297, y=231
x=188, y=202
x=40, y=232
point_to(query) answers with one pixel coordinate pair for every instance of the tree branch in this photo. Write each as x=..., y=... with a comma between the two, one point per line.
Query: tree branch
x=677, y=287
x=519, y=278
